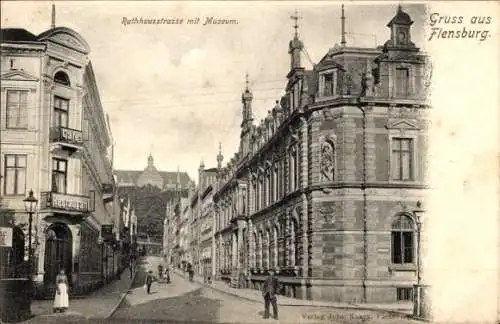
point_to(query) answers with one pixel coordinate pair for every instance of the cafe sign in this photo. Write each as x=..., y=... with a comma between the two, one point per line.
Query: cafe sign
x=68, y=135
x=5, y=236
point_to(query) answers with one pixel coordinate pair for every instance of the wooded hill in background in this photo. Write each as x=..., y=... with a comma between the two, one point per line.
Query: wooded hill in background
x=150, y=204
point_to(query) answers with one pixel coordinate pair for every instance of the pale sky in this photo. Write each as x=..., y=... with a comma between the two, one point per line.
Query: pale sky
x=175, y=90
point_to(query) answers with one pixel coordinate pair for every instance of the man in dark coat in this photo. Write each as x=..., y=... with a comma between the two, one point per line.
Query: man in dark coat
x=149, y=280
x=269, y=291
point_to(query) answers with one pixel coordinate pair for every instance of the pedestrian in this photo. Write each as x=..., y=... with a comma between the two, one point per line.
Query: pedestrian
x=167, y=273
x=191, y=274
x=131, y=267
x=149, y=280
x=269, y=292
x=160, y=272
x=61, y=299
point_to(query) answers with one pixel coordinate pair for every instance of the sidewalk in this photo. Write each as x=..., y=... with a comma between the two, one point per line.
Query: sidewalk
x=256, y=296
x=100, y=304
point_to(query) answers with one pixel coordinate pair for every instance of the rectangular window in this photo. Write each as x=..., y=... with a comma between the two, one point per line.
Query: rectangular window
x=61, y=107
x=402, y=82
x=17, y=109
x=402, y=154
x=404, y=293
x=329, y=85
x=402, y=247
x=59, y=175
x=15, y=174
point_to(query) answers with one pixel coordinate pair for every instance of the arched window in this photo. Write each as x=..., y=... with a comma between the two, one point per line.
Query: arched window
x=402, y=237
x=62, y=78
x=275, y=247
x=294, y=251
x=268, y=250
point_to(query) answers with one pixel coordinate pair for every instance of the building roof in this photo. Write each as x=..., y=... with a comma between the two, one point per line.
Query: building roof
x=131, y=176
x=401, y=18
x=17, y=35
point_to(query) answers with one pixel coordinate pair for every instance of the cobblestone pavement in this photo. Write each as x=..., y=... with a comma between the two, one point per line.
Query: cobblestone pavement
x=184, y=302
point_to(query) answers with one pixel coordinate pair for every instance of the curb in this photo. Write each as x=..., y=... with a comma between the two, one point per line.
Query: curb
x=122, y=298
x=390, y=311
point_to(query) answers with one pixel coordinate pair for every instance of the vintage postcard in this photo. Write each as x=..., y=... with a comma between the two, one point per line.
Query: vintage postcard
x=249, y=162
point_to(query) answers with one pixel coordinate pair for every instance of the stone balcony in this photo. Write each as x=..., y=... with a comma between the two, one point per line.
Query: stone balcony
x=66, y=139
x=77, y=206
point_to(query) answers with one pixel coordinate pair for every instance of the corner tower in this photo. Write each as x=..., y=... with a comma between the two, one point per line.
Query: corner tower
x=246, y=124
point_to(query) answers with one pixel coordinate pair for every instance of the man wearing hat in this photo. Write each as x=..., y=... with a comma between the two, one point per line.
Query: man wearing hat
x=269, y=292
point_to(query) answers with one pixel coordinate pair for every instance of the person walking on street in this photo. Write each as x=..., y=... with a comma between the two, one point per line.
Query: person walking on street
x=160, y=272
x=149, y=280
x=269, y=291
x=167, y=273
x=131, y=267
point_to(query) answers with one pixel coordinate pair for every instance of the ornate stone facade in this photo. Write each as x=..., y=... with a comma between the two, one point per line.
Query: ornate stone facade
x=315, y=189
x=60, y=145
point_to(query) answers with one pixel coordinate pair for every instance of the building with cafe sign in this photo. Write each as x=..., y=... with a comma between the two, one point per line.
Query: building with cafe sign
x=56, y=140
x=322, y=190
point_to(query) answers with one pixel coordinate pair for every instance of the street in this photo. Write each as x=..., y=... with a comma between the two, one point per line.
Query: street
x=182, y=301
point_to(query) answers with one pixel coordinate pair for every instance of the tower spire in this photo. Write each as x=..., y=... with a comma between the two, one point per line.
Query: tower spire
x=246, y=82
x=296, y=18
x=53, y=24
x=342, y=18
x=219, y=157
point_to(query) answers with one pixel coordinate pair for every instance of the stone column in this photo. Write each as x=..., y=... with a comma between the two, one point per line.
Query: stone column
x=239, y=246
x=305, y=245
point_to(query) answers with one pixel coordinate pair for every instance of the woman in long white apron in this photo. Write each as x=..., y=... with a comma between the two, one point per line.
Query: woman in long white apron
x=61, y=299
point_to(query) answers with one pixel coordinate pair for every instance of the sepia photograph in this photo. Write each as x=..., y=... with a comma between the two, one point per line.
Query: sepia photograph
x=227, y=162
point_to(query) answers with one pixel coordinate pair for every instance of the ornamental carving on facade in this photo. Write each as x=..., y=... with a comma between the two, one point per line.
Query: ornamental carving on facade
x=327, y=213
x=327, y=165
x=346, y=84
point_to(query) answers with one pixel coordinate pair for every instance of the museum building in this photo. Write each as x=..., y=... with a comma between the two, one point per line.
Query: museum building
x=322, y=190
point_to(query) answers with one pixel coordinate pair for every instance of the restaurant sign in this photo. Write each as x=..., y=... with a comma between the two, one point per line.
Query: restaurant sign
x=67, y=202
x=5, y=236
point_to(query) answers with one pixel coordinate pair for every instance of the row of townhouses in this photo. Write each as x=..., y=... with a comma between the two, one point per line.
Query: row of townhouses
x=323, y=189
x=56, y=142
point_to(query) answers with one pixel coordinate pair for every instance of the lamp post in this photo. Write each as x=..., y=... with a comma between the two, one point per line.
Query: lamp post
x=419, y=307
x=30, y=204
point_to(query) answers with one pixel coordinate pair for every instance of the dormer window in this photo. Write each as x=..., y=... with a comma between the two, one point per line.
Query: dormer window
x=328, y=84
x=62, y=78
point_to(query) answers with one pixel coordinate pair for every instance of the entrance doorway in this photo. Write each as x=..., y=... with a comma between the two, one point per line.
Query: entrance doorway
x=58, y=252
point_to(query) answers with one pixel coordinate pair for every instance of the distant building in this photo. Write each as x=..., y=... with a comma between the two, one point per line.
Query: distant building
x=322, y=190
x=151, y=186
x=164, y=180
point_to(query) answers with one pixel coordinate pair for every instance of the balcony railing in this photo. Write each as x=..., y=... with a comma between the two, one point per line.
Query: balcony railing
x=65, y=135
x=67, y=202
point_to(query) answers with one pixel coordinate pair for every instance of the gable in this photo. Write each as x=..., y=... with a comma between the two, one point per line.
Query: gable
x=66, y=37
x=18, y=75
x=402, y=124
